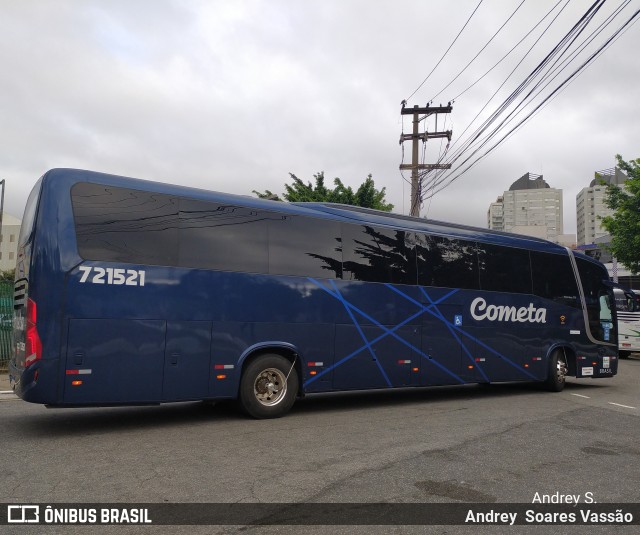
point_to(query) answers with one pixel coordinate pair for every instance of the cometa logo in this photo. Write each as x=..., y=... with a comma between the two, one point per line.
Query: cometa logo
x=481, y=311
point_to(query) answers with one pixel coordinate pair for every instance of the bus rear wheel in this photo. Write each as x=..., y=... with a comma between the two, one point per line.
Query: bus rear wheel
x=268, y=387
x=558, y=370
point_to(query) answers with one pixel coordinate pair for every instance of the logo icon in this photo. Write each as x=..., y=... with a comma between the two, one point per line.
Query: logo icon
x=23, y=514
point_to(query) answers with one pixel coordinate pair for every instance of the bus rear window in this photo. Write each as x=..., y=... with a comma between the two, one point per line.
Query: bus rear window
x=29, y=217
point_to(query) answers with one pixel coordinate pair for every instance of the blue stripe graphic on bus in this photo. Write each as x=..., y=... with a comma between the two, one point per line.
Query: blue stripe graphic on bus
x=367, y=344
x=387, y=331
x=476, y=340
x=447, y=324
x=453, y=333
x=439, y=316
x=452, y=326
x=375, y=340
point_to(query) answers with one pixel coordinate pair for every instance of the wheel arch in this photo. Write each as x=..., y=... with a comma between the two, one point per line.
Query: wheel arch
x=569, y=353
x=284, y=349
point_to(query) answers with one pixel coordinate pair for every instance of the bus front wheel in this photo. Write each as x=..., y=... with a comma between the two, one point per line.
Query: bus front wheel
x=268, y=387
x=557, y=372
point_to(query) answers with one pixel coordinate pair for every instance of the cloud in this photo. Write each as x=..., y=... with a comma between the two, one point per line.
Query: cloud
x=234, y=95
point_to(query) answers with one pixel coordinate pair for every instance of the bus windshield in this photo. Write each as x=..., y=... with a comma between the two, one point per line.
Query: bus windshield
x=598, y=297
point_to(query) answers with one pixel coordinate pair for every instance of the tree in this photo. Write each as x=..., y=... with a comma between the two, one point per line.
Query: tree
x=624, y=224
x=366, y=195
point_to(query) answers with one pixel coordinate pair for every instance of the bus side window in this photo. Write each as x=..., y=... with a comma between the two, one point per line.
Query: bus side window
x=447, y=262
x=553, y=278
x=125, y=225
x=223, y=237
x=305, y=247
x=377, y=254
x=504, y=269
x=622, y=301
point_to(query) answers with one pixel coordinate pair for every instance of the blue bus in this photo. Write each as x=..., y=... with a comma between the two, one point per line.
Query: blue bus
x=135, y=292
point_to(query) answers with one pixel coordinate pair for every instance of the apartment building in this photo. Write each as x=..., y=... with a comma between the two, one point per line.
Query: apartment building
x=9, y=241
x=529, y=207
x=590, y=205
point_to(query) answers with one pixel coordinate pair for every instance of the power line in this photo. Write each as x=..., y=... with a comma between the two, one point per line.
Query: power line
x=559, y=67
x=480, y=51
x=554, y=93
x=466, y=143
x=558, y=49
x=446, y=52
x=513, y=48
x=434, y=178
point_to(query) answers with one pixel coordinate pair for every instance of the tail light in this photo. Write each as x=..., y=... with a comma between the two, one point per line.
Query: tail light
x=33, y=345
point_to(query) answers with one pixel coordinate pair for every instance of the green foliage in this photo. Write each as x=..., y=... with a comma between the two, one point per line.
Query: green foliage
x=366, y=195
x=8, y=276
x=624, y=224
x=267, y=194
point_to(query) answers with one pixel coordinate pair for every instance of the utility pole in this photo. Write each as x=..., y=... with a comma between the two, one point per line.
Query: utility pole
x=416, y=111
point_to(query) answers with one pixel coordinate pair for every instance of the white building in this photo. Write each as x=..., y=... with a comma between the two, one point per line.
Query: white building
x=530, y=207
x=495, y=219
x=9, y=242
x=590, y=206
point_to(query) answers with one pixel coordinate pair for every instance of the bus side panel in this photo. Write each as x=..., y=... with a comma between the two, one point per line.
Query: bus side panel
x=231, y=340
x=114, y=361
x=510, y=353
x=377, y=335
x=370, y=357
x=443, y=343
x=629, y=331
x=187, y=368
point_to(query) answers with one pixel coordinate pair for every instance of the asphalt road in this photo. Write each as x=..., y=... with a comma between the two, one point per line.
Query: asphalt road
x=501, y=443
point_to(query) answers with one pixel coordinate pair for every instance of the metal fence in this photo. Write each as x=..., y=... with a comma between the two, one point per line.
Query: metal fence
x=6, y=321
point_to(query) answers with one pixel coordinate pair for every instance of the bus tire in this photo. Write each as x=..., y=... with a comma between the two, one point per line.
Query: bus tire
x=268, y=387
x=557, y=372
x=624, y=354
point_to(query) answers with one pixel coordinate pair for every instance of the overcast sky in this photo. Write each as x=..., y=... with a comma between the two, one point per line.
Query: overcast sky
x=232, y=95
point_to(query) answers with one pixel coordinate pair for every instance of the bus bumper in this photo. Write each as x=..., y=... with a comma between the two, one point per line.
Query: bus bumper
x=597, y=367
x=35, y=384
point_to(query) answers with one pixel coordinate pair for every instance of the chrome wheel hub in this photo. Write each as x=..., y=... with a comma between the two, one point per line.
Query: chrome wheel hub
x=270, y=387
x=562, y=370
